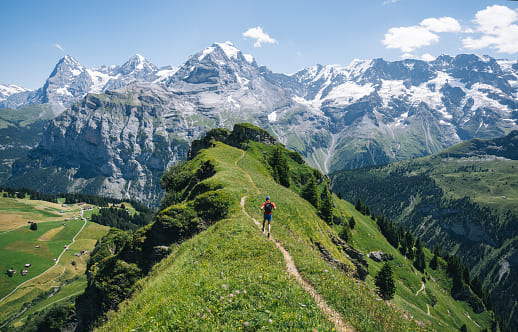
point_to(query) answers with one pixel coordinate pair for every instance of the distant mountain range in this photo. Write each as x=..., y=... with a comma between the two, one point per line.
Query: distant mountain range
x=71, y=81
x=126, y=124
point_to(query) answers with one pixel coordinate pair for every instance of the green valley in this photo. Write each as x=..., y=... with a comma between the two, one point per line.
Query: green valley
x=463, y=199
x=45, y=265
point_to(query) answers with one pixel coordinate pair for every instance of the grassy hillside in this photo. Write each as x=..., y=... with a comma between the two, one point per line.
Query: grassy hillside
x=47, y=281
x=231, y=277
x=463, y=199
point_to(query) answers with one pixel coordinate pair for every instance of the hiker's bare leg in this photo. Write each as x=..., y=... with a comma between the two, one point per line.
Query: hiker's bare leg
x=269, y=228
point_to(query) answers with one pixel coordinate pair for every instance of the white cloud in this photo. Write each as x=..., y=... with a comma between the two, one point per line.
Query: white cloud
x=407, y=56
x=427, y=57
x=495, y=23
x=409, y=38
x=442, y=24
x=388, y=2
x=259, y=35
x=59, y=47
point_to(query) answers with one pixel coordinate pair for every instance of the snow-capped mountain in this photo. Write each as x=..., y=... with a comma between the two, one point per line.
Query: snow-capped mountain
x=9, y=90
x=70, y=81
x=337, y=117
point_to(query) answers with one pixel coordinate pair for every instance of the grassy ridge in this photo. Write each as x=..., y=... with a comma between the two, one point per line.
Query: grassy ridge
x=235, y=254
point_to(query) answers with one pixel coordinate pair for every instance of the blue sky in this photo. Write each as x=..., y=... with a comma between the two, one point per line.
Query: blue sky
x=288, y=35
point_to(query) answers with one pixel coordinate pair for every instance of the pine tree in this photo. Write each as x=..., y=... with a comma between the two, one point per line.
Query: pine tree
x=352, y=222
x=359, y=206
x=326, y=208
x=310, y=193
x=384, y=280
x=434, y=263
x=280, y=168
x=345, y=233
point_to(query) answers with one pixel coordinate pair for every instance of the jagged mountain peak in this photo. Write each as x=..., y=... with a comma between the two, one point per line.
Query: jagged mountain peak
x=222, y=51
x=68, y=64
x=137, y=63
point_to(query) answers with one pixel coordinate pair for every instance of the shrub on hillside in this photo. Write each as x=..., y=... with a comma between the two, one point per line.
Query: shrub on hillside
x=213, y=205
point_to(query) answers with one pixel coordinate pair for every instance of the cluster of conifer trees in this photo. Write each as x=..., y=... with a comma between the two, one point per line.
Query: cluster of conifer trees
x=463, y=287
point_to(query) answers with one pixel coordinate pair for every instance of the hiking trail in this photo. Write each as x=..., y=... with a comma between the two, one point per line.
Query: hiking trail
x=333, y=315
x=420, y=289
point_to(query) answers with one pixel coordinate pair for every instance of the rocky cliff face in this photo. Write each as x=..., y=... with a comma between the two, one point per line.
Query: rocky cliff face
x=370, y=112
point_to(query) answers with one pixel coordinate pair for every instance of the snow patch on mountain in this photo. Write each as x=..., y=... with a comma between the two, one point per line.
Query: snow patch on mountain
x=11, y=89
x=348, y=93
x=230, y=51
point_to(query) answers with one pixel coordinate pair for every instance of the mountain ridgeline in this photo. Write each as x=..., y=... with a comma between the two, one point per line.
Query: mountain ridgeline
x=122, y=126
x=462, y=199
x=203, y=263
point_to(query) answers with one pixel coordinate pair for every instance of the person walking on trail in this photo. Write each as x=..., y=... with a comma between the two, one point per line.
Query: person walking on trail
x=268, y=207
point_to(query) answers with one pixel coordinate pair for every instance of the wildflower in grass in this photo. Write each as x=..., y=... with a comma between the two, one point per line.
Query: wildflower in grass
x=246, y=324
x=278, y=296
x=229, y=300
x=221, y=298
x=260, y=277
x=208, y=310
x=204, y=316
x=224, y=286
x=244, y=292
x=197, y=314
x=237, y=291
x=231, y=295
x=270, y=321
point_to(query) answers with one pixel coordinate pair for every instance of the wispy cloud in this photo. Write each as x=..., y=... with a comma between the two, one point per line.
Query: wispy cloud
x=59, y=47
x=410, y=38
x=498, y=29
x=388, y=2
x=259, y=35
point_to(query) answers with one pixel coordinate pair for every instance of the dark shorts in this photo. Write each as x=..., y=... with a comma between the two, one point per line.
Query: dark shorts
x=268, y=217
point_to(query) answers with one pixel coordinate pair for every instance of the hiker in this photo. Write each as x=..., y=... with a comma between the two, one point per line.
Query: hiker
x=268, y=207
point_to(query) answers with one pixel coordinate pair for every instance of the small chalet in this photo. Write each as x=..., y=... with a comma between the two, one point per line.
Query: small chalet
x=28, y=265
x=83, y=251
x=63, y=224
x=81, y=204
x=24, y=272
x=30, y=221
x=37, y=246
x=76, y=254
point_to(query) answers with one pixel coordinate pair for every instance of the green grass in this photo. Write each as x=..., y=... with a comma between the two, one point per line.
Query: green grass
x=447, y=312
x=18, y=247
x=234, y=253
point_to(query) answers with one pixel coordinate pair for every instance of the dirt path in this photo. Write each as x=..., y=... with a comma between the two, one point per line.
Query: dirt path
x=56, y=263
x=292, y=269
x=420, y=289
